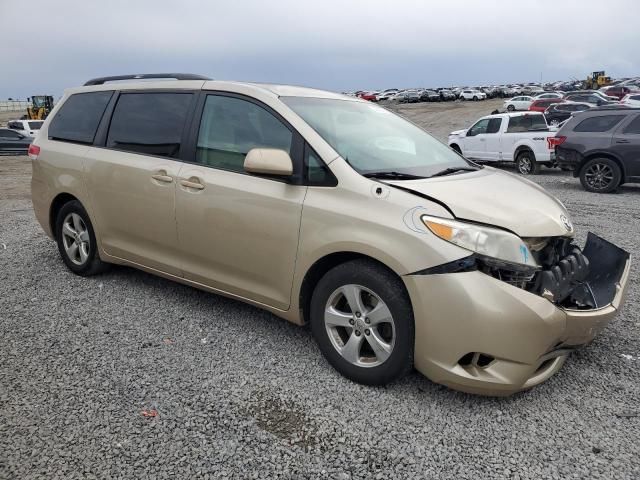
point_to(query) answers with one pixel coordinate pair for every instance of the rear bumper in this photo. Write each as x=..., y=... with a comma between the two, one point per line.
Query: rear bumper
x=480, y=335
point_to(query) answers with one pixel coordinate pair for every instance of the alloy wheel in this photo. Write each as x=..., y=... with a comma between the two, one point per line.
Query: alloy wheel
x=599, y=176
x=524, y=165
x=75, y=238
x=359, y=325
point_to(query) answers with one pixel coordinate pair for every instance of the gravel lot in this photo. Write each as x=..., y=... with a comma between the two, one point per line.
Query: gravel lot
x=239, y=393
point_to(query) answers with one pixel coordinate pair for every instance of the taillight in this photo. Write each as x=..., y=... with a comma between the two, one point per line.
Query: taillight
x=555, y=141
x=33, y=152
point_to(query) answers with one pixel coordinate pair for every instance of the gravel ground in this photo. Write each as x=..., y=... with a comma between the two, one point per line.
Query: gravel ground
x=126, y=375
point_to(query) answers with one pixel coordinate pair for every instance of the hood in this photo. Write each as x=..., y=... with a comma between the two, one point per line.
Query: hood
x=494, y=197
x=458, y=133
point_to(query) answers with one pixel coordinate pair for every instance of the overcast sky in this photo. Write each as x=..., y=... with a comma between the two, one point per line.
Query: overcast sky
x=48, y=45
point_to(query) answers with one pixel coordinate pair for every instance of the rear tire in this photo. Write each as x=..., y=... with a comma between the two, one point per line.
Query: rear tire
x=77, y=240
x=600, y=175
x=372, y=345
x=526, y=163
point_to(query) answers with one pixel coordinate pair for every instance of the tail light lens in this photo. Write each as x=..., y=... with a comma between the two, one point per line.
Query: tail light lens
x=33, y=152
x=555, y=141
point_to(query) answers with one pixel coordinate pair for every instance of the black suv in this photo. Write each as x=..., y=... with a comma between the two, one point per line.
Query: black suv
x=557, y=113
x=602, y=147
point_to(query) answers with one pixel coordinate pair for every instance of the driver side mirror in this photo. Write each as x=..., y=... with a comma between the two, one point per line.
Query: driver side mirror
x=470, y=133
x=268, y=161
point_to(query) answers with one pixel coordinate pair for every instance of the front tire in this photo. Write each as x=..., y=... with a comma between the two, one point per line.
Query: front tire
x=526, y=163
x=77, y=240
x=600, y=175
x=362, y=320
x=511, y=108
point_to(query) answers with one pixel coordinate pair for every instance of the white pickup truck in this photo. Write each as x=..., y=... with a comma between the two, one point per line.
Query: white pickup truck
x=521, y=137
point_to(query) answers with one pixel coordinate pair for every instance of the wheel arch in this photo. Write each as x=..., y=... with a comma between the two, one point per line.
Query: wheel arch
x=456, y=147
x=321, y=266
x=56, y=204
x=602, y=154
x=523, y=148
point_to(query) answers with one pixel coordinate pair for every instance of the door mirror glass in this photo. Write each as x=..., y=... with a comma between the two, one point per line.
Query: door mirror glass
x=268, y=161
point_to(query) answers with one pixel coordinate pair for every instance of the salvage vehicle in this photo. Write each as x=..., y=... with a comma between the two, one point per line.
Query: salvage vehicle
x=429, y=96
x=329, y=210
x=474, y=95
x=541, y=105
x=602, y=147
x=557, y=113
x=632, y=100
x=28, y=128
x=522, y=138
x=518, y=103
x=14, y=143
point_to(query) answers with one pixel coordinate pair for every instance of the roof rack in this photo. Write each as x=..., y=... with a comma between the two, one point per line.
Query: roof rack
x=141, y=76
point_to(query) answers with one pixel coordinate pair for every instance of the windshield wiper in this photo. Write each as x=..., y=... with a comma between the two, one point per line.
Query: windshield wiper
x=390, y=175
x=449, y=171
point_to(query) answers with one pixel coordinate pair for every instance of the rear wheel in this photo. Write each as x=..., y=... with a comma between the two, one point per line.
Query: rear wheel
x=77, y=241
x=362, y=320
x=511, y=108
x=526, y=163
x=600, y=175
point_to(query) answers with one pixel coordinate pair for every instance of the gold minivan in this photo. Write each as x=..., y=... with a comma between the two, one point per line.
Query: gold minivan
x=326, y=209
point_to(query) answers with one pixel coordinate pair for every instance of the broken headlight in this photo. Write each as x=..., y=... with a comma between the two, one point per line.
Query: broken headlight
x=497, y=248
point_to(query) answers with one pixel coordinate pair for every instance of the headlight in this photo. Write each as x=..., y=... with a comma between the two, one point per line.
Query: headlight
x=485, y=241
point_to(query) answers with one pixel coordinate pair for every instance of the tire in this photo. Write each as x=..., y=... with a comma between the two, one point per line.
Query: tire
x=83, y=259
x=367, y=284
x=600, y=175
x=526, y=163
x=462, y=99
x=511, y=108
x=554, y=123
x=475, y=99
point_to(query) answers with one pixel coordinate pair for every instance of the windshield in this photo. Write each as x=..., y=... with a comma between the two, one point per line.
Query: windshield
x=372, y=139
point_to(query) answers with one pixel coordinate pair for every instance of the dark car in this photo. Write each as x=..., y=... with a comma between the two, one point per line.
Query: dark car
x=429, y=96
x=12, y=142
x=602, y=147
x=447, y=95
x=559, y=112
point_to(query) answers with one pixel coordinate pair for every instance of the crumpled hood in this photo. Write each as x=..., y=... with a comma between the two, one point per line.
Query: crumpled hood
x=498, y=198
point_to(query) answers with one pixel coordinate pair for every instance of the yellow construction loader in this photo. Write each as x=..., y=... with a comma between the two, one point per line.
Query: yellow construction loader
x=596, y=80
x=41, y=106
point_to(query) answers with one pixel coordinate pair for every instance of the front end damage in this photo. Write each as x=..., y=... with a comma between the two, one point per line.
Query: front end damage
x=487, y=328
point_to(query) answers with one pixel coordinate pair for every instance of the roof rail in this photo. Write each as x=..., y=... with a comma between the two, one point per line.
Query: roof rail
x=141, y=76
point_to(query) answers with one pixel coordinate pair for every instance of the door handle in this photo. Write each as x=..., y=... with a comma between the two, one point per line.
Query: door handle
x=162, y=178
x=622, y=141
x=190, y=184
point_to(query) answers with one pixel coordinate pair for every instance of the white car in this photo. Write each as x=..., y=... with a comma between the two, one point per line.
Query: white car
x=469, y=94
x=548, y=96
x=631, y=99
x=522, y=137
x=518, y=103
x=28, y=128
x=386, y=95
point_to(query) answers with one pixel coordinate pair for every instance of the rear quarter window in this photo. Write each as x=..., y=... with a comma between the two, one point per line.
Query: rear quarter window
x=78, y=118
x=526, y=123
x=601, y=123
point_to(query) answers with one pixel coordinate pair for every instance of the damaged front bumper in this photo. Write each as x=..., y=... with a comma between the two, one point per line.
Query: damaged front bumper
x=480, y=334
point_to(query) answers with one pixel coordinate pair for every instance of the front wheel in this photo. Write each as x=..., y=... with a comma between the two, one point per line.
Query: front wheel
x=600, y=175
x=526, y=163
x=475, y=99
x=511, y=108
x=362, y=320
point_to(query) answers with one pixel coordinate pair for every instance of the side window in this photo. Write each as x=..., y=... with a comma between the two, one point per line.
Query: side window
x=230, y=127
x=516, y=124
x=598, y=124
x=478, y=128
x=634, y=126
x=494, y=125
x=78, y=118
x=15, y=125
x=149, y=123
x=316, y=172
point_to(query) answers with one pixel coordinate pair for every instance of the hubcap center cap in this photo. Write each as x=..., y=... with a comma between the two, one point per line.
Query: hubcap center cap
x=360, y=324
